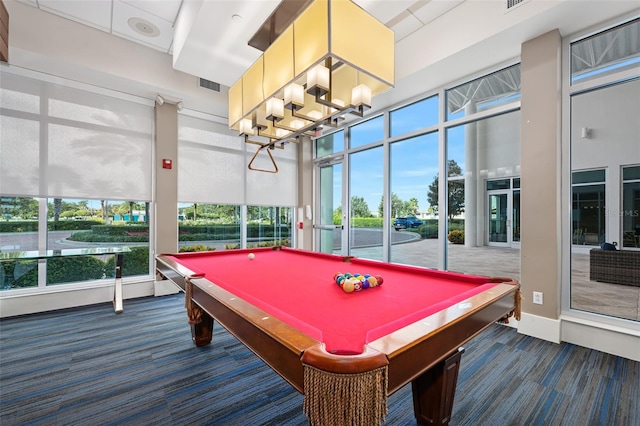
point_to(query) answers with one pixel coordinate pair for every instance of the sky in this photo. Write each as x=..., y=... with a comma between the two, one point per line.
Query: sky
x=414, y=161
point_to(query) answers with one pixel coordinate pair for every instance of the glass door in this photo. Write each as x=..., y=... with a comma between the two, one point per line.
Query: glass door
x=516, y=218
x=500, y=233
x=329, y=227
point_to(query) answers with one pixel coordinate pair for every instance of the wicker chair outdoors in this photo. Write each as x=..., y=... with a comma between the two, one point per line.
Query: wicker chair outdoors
x=615, y=266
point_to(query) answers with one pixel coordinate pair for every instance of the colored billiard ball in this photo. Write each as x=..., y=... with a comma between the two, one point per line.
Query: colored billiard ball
x=348, y=286
x=251, y=256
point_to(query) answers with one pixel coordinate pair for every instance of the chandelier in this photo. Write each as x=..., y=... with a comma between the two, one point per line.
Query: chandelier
x=329, y=62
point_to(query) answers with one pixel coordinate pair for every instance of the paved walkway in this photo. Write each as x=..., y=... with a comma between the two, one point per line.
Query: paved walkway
x=621, y=301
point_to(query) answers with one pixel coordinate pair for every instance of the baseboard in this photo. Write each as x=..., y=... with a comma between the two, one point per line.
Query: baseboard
x=601, y=337
x=539, y=327
x=164, y=288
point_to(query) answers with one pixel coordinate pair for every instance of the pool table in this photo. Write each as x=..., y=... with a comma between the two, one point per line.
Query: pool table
x=345, y=352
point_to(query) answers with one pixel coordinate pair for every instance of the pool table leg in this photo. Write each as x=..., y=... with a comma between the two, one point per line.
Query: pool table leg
x=202, y=332
x=434, y=390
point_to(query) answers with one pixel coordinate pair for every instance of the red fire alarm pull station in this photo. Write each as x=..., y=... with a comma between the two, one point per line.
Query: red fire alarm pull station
x=166, y=163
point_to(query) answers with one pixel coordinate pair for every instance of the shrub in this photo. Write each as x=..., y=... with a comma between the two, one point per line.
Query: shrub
x=74, y=268
x=136, y=262
x=72, y=225
x=428, y=230
x=199, y=247
x=366, y=222
x=456, y=236
x=19, y=226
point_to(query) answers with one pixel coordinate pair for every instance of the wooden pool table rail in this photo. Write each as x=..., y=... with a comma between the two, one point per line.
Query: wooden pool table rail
x=426, y=352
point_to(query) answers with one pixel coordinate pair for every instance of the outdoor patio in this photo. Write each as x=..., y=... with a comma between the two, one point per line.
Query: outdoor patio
x=616, y=300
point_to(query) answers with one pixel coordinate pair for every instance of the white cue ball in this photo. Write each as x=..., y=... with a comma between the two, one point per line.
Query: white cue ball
x=251, y=256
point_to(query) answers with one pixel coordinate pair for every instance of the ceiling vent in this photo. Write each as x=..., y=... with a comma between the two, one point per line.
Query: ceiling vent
x=509, y=5
x=211, y=85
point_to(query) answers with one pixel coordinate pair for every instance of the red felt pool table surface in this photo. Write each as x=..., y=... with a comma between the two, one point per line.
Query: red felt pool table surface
x=298, y=287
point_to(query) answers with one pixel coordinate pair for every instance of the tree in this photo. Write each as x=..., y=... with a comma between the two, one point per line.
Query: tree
x=397, y=206
x=455, y=191
x=57, y=208
x=359, y=207
x=410, y=208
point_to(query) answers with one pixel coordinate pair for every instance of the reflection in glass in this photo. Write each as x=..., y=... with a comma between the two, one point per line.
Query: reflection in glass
x=498, y=88
x=498, y=218
x=330, y=144
x=483, y=207
x=630, y=214
x=606, y=53
x=588, y=214
x=605, y=190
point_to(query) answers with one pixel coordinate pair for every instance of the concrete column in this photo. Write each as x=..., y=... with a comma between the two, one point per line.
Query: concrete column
x=166, y=188
x=541, y=182
x=304, y=238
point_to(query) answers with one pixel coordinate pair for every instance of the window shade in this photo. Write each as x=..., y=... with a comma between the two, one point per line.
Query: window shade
x=212, y=168
x=64, y=142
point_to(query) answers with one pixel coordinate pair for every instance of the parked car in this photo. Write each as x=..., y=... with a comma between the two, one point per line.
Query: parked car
x=406, y=222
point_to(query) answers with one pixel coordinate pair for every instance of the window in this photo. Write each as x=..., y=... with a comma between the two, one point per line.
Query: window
x=214, y=185
x=415, y=116
x=498, y=88
x=483, y=162
x=630, y=214
x=366, y=132
x=18, y=232
x=414, y=192
x=605, y=53
x=69, y=157
x=208, y=226
x=588, y=207
x=365, y=189
x=330, y=144
x=269, y=226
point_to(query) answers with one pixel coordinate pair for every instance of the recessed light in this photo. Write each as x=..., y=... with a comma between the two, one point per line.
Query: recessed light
x=236, y=17
x=143, y=27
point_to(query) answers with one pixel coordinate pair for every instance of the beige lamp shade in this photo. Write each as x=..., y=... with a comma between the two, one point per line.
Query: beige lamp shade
x=343, y=56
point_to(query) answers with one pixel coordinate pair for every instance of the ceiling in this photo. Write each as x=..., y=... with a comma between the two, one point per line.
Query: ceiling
x=437, y=41
x=208, y=38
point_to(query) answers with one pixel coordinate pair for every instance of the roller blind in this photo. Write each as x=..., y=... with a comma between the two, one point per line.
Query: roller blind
x=59, y=141
x=209, y=162
x=212, y=167
x=273, y=189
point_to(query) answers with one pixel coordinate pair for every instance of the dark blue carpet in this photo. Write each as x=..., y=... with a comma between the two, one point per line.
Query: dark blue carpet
x=89, y=366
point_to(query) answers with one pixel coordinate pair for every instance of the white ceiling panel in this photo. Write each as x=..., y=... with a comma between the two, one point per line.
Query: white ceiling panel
x=29, y=2
x=406, y=26
x=428, y=11
x=95, y=13
x=385, y=10
x=165, y=9
x=123, y=12
x=215, y=44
